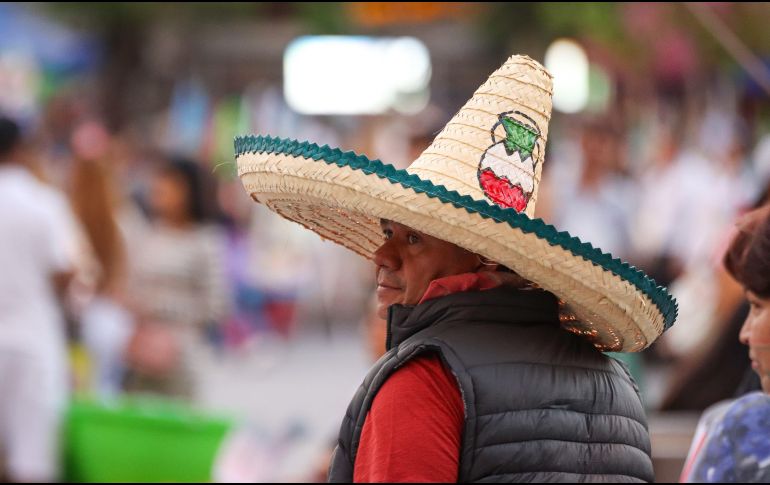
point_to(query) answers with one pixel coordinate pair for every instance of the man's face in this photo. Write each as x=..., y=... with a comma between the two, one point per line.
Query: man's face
x=409, y=260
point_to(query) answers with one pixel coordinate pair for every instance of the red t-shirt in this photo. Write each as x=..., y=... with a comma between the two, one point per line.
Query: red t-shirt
x=414, y=427
x=413, y=430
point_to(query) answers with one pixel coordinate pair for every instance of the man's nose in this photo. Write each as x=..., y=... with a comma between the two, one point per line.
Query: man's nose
x=387, y=257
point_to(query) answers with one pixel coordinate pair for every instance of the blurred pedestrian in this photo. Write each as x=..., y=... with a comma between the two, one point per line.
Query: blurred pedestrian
x=178, y=285
x=598, y=203
x=37, y=246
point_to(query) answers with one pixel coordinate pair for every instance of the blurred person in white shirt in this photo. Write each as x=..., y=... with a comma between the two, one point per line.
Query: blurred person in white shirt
x=591, y=197
x=705, y=183
x=37, y=251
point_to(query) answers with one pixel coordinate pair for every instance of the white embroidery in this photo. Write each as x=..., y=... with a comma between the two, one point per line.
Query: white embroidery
x=510, y=166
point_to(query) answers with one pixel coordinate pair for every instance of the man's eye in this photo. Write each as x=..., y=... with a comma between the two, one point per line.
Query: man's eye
x=387, y=234
x=413, y=239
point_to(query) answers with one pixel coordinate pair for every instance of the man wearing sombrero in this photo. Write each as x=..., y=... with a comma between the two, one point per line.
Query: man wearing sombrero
x=496, y=321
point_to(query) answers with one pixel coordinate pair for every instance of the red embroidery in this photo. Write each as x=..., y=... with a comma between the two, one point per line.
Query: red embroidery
x=502, y=191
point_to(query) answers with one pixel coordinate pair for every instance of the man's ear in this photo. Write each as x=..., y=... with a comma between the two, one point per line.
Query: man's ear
x=488, y=268
x=486, y=265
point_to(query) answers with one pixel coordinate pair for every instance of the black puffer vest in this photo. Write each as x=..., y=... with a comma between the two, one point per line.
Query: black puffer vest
x=541, y=405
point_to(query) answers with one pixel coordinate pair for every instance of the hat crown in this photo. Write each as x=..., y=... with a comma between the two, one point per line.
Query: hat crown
x=493, y=148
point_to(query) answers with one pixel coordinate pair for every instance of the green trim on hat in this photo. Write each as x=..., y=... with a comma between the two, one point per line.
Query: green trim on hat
x=658, y=294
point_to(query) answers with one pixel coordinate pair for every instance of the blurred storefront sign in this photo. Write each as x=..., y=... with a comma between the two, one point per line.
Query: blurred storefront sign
x=351, y=75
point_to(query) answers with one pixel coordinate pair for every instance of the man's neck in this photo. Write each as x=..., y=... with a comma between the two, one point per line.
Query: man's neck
x=478, y=281
x=502, y=303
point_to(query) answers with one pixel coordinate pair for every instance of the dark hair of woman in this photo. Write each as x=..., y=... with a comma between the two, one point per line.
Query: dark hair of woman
x=189, y=173
x=748, y=257
x=10, y=137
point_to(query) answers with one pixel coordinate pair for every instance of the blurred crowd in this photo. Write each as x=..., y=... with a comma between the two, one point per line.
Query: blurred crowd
x=157, y=260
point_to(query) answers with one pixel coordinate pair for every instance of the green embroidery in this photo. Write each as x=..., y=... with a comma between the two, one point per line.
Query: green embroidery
x=518, y=137
x=666, y=304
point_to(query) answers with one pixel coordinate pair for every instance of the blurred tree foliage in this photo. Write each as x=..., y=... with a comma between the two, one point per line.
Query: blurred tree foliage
x=504, y=24
x=499, y=23
x=91, y=14
x=503, y=27
x=324, y=17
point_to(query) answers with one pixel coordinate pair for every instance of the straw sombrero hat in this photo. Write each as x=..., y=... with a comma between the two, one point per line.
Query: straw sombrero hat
x=475, y=186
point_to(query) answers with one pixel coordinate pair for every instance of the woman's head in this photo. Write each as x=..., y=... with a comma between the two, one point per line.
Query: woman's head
x=748, y=261
x=178, y=193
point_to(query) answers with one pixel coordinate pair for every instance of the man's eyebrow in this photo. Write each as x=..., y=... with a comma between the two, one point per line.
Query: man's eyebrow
x=384, y=222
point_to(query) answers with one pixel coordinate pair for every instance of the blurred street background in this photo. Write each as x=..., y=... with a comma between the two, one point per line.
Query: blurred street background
x=660, y=138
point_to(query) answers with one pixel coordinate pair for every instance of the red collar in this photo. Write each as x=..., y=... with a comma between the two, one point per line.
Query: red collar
x=448, y=285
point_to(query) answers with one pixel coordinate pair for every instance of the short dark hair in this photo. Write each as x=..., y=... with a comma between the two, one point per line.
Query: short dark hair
x=10, y=136
x=748, y=257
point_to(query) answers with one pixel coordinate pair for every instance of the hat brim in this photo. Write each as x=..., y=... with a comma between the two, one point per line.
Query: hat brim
x=342, y=196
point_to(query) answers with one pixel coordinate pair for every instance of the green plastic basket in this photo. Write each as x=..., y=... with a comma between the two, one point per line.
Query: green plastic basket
x=140, y=441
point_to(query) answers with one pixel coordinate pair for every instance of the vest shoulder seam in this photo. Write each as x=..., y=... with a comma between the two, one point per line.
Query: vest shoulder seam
x=547, y=364
x=479, y=416
x=522, y=442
